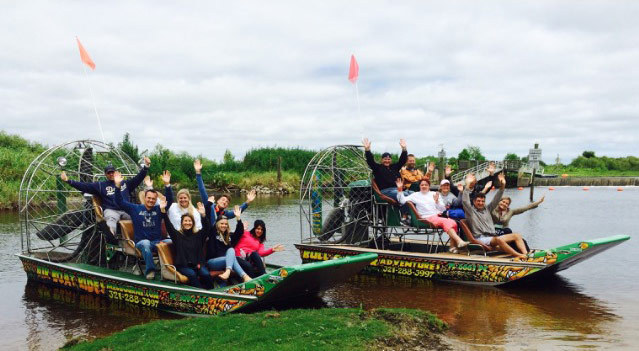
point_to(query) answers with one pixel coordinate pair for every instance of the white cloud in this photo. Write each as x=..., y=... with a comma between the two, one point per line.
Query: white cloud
x=202, y=77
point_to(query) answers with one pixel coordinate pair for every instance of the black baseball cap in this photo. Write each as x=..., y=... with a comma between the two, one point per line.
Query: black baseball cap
x=109, y=168
x=386, y=154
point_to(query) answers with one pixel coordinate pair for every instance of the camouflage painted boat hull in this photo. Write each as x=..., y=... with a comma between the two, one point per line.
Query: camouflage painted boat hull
x=280, y=284
x=472, y=269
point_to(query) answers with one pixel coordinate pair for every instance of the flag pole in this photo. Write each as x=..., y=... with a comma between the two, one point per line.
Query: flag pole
x=359, y=110
x=95, y=108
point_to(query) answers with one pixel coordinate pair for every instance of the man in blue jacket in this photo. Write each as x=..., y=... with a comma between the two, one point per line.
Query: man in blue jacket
x=106, y=191
x=147, y=219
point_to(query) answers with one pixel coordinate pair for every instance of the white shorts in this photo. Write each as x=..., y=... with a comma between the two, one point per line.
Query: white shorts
x=485, y=239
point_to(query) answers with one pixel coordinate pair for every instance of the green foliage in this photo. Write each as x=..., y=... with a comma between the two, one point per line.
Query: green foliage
x=266, y=159
x=588, y=154
x=128, y=148
x=511, y=157
x=308, y=329
x=16, y=154
x=475, y=153
x=464, y=155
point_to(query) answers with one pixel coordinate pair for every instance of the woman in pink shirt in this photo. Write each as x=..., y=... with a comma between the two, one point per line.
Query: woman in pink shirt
x=250, y=249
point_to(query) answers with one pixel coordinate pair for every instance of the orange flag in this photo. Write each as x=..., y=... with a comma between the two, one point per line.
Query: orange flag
x=84, y=55
x=353, y=71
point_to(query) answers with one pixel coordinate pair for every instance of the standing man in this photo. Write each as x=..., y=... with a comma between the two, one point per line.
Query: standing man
x=106, y=191
x=147, y=219
x=386, y=173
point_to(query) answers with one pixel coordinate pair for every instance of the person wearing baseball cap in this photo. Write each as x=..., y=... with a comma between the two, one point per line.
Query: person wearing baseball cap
x=106, y=191
x=385, y=173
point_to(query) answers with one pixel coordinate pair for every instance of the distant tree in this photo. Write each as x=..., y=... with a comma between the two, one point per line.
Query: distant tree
x=588, y=154
x=128, y=148
x=464, y=155
x=511, y=157
x=228, y=157
x=475, y=153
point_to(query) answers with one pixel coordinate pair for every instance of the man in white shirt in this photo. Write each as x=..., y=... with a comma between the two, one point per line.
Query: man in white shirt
x=429, y=205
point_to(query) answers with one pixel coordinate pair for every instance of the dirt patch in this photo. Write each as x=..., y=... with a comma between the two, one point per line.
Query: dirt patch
x=410, y=332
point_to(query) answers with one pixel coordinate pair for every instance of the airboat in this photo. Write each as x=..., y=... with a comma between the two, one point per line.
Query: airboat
x=343, y=213
x=65, y=243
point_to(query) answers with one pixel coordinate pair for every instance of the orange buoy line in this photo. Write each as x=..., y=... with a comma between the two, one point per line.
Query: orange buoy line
x=551, y=188
x=520, y=188
x=586, y=188
x=620, y=189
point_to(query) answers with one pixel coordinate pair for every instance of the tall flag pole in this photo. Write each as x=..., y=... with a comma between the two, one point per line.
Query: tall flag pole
x=353, y=74
x=86, y=59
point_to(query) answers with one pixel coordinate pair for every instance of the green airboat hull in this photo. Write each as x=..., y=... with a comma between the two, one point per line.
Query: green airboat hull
x=473, y=269
x=276, y=286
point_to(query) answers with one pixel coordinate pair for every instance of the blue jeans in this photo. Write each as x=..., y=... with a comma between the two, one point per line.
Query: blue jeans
x=147, y=248
x=227, y=261
x=392, y=193
x=202, y=273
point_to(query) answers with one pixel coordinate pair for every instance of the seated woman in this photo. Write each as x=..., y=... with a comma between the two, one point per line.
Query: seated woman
x=430, y=205
x=183, y=206
x=223, y=202
x=220, y=254
x=250, y=249
x=188, y=243
x=502, y=214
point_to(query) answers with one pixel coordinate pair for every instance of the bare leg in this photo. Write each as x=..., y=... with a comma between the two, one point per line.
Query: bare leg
x=518, y=239
x=503, y=246
x=453, y=235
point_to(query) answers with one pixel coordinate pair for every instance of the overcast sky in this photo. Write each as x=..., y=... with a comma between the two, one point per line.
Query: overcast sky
x=205, y=76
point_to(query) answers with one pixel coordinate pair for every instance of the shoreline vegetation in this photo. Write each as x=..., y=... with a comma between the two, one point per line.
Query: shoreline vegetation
x=268, y=169
x=299, y=329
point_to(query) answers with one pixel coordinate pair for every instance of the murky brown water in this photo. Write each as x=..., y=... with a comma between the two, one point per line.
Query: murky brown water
x=591, y=305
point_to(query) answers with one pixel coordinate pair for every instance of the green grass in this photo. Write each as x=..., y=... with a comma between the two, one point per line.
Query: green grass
x=323, y=329
x=589, y=172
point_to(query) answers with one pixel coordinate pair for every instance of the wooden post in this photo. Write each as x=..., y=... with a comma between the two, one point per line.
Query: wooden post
x=532, y=184
x=279, y=170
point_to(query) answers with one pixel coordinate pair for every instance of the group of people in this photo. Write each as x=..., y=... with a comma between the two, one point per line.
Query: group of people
x=201, y=235
x=488, y=223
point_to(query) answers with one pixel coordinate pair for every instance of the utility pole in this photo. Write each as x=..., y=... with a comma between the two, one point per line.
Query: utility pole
x=534, y=156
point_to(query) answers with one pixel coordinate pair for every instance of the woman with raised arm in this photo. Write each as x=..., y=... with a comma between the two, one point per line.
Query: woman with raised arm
x=223, y=202
x=220, y=253
x=184, y=206
x=250, y=249
x=189, y=242
x=503, y=213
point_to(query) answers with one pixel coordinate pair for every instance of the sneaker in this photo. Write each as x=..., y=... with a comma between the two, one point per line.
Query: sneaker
x=453, y=250
x=150, y=275
x=463, y=244
x=136, y=270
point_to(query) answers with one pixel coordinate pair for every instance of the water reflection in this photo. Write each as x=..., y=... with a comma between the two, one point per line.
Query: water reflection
x=55, y=315
x=476, y=314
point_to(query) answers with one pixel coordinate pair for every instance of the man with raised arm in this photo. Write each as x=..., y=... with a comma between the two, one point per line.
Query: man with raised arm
x=147, y=219
x=106, y=191
x=219, y=208
x=385, y=173
x=410, y=173
x=481, y=223
x=429, y=205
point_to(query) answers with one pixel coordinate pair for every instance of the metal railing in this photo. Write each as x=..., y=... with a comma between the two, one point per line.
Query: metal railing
x=480, y=171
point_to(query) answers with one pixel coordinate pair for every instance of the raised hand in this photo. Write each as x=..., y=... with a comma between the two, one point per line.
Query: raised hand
x=117, y=178
x=448, y=170
x=399, y=183
x=198, y=166
x=148, y=182
x=470, y=180
x=251, y=196
x=238, y=211
x=166, y=178
x=436, y=196
x=201, y=209
x=491, y=168
x=502, y=179
x=63, y=176
x=542, y=199
x=278, y=248
x=163, y=205
x=147, y=161
x=460, y=187
x=367, y=144
x=402, y=144
x=212, y=199
x=431, y=167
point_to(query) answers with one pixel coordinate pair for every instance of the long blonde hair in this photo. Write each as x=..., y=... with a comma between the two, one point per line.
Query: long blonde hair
x=191, y=209
x=225, y=235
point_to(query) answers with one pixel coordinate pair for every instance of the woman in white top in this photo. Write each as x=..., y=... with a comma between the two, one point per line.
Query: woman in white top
x=430, y=205
x=184, y=206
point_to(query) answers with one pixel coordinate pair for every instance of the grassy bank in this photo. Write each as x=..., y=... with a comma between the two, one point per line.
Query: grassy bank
x=590, y=172
x=324, y=329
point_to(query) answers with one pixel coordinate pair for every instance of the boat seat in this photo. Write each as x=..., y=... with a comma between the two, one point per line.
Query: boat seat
x=386, y=210
x=424, y=227
x=100, y=222
x=168, y=271
x=97, y=208
x=470, y=238
x=127, y=242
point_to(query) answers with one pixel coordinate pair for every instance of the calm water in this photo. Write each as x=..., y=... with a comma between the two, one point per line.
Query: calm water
x=591, y=305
